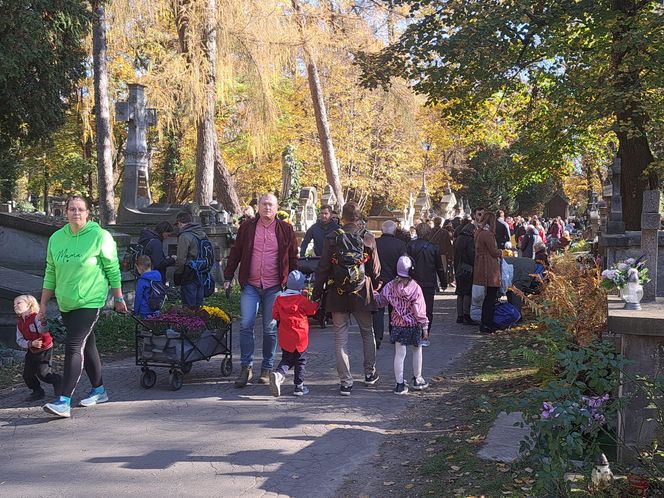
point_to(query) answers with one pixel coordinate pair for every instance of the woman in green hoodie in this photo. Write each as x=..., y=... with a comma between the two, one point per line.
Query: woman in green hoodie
x=81, y=264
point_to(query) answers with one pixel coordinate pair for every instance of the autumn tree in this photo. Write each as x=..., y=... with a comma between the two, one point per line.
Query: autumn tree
x=581, y=61
x=41, y=58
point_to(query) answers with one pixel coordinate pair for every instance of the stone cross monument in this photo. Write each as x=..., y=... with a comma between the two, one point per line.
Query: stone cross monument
x=136, y=186
x=651, y=221
x=615, y=223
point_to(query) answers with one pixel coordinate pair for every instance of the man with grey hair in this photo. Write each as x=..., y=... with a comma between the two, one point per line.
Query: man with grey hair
x=266, y=251
x=390, y=249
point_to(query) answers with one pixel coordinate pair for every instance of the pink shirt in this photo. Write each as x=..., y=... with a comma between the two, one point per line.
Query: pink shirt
x=264, y=271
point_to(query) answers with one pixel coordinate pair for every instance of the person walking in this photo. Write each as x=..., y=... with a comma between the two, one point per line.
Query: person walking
x=33, y=335
x=189, y=236
x=81, y=264
x=428, y=264
x=464, y=261
x=442, y=238
x=390, y=249
x=318, y=231
x=266, y=252
x=409, y=323
x=351, y=267
x=486, y=271
x=291, y=311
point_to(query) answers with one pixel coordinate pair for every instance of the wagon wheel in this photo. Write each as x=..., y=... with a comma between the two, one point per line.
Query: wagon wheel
x=176, y=379
x=186, y=368
x=226, y=367
x=148, y=379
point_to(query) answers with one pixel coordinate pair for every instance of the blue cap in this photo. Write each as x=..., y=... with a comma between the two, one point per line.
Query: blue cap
x=295, y=280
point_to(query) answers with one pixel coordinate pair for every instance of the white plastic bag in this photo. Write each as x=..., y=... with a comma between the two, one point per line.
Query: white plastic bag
x=506, y=276
x=479, y=291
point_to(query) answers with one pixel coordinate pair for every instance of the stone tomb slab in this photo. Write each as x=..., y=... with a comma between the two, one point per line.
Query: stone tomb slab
x=504, y=439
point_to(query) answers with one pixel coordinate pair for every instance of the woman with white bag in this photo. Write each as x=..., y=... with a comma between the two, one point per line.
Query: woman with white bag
x=487, y=271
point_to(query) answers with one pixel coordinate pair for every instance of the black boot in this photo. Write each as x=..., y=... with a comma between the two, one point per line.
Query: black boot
x=459, y=319
x=36, y=395
x=469, y=321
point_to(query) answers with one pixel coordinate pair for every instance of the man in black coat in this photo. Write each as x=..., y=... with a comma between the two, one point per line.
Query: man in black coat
x=153, y=246
x=428, y=264
x=502, y=230
x=318, y=231
x=390, y=249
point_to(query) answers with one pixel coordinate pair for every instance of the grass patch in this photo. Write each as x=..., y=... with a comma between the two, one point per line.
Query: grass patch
x=465, y=415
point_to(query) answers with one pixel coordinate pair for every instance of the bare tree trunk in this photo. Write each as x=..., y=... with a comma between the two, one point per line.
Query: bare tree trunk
x=224, y=186
x=631, y=117
x=206, y=132
x=320, y=111
x=102, y=115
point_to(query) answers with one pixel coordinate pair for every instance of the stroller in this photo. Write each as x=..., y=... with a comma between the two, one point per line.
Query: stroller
x=308, y=267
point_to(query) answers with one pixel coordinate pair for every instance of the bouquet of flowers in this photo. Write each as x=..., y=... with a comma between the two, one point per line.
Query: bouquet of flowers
x=180, y=319
x=631, y=269
x=218, y=317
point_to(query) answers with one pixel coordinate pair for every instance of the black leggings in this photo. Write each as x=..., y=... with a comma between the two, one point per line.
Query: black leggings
x=80, y=349
x=489, y=306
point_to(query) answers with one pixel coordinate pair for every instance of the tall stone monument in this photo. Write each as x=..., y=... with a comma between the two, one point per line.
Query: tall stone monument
x=136, y=184
x=615, y=223
x=651, y=220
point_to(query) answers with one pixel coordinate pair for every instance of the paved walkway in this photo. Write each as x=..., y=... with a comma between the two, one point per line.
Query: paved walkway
x=210, y=439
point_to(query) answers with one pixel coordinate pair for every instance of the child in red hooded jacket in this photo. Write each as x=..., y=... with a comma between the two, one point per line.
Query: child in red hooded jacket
x=292, y=309
x=32, y=335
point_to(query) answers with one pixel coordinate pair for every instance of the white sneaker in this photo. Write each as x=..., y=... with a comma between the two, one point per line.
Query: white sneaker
x=276, y=378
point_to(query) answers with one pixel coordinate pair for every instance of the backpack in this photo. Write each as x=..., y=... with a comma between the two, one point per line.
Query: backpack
x=203, y=265
x=348, y=262
x=129, y=259
x=158, y=292
x=506, y=315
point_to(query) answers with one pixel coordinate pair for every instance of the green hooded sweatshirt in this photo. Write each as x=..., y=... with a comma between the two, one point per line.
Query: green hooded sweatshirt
x=79, y=268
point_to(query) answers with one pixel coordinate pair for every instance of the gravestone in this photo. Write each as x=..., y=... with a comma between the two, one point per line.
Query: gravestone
x=615, y=223
x=329, y=198
x=136, y=185
x=651, y=221
x=291, y=170
x=423, y=201
x=447, y=203
x=306, y=214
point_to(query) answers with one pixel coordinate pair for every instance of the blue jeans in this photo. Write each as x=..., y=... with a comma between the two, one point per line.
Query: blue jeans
x=192, y=294
x=250, y=299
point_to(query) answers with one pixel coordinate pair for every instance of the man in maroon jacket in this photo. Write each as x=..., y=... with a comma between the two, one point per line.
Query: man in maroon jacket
x=266, y=250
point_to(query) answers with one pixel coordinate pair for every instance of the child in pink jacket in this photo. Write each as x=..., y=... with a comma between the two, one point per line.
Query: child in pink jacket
x=409, y=323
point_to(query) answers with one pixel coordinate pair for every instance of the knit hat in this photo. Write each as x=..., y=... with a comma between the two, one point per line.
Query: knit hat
x=403, y=266
x=295, y=280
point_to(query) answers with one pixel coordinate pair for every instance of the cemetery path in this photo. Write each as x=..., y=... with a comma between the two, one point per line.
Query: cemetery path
x=211, y=439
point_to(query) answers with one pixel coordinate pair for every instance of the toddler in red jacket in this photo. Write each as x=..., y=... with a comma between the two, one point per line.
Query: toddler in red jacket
x=34, y=336
x=292, y=309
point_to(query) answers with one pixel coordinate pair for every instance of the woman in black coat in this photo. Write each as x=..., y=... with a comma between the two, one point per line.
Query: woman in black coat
x=464, y=260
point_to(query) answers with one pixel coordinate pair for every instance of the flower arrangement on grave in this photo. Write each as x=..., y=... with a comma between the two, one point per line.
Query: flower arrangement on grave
x=625, y=271
x=284, y=216
x=217, y=317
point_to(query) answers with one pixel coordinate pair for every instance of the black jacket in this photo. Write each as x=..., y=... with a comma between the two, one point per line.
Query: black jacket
x=317, y=232
x=502, y=233
x=390, y=249
x=464, y=252
x=428, y=264
x=153, y=246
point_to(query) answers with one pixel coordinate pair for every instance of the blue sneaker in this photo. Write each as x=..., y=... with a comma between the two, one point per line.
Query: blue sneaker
x=97, y=395
x=425, y=343
x=60, y=407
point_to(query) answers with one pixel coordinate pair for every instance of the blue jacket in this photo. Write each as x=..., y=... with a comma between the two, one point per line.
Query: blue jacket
x=143, y=289
x=318, y=232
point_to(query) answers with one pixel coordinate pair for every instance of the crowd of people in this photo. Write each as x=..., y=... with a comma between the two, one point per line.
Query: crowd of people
x=357, y=274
